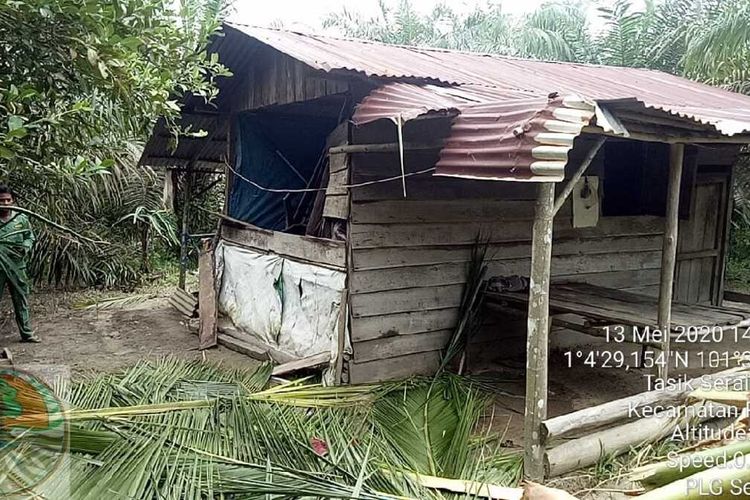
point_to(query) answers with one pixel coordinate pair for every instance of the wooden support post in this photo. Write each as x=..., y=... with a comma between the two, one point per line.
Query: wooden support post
x=341, y=341
x=187, y=197
x=669, y=252
x=185, y=234
x=537, y=344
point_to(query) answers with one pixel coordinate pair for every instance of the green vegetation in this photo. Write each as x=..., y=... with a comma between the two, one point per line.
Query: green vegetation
x=707, y=40
x=82, y=83
x=175, y=429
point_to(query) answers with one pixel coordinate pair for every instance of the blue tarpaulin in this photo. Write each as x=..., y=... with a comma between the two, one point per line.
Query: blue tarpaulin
x=278, y=152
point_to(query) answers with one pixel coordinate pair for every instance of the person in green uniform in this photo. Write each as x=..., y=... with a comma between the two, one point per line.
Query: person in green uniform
x=18, y=239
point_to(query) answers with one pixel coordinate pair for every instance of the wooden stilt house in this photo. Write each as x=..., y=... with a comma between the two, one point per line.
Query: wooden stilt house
x=359, y=176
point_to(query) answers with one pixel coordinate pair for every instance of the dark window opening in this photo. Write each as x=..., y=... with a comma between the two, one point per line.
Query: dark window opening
x=280, y=156
x=636, y=177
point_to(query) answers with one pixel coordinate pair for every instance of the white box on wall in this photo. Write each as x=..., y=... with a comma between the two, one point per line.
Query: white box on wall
x=586, y=202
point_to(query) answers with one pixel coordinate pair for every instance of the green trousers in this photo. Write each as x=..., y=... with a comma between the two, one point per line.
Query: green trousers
x=20, y=298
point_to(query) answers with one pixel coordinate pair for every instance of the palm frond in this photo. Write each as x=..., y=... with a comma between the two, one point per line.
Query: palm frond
x=178, y=429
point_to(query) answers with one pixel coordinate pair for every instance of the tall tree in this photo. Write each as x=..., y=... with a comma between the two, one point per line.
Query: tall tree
x=81, y=83
x=556, y=31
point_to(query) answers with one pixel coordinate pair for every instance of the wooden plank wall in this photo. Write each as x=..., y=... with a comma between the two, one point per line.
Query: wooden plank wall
x=703, y=238
x=409, y=256
x=275, y=78
x=337, y=195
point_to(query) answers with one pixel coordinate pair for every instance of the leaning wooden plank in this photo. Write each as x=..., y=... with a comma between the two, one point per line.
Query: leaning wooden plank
x=207, y=300
x=189, y=303
x=315, y=361
x=336, y=206
x=187, y=298
x=608, y=413
x=257, y=345
x=181, y=308
x=242, y=347
x=185, y=295
x=587, y=450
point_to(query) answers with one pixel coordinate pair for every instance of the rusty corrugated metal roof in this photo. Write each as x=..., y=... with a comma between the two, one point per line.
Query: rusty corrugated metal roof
x=519, y=139
x=727, y=111
x=162, y=150
x=522, y=138
x=509, y=121
x=410, y=101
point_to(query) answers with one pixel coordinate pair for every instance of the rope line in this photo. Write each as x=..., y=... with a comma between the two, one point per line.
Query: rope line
x=312, y=190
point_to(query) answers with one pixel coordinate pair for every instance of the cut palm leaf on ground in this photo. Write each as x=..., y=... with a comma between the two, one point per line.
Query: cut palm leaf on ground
x=176, y=429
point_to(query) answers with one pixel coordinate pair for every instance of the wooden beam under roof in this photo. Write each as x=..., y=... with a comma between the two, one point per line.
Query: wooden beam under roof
x=672, y=139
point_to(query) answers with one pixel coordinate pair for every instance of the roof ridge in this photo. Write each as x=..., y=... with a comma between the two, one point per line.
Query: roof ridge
x=438, y=49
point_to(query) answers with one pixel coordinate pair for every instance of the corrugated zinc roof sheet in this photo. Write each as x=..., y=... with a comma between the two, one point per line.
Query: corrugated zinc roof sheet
x=727, y=111
x=523, y=138
x=518, y=139
x=509, y=121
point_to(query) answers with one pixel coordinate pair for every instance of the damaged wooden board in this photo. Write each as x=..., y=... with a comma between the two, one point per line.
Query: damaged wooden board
x=319, y=360
x=305, y=249
x=207, y=300
x=251, y=346
x=337, y=195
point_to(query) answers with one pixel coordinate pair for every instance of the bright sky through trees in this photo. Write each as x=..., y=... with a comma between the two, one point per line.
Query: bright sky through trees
x=310, y=13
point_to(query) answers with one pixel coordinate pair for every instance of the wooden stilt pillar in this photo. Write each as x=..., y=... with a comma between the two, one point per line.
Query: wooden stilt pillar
x=669, y=252
x=185, y=232
x=537, y=343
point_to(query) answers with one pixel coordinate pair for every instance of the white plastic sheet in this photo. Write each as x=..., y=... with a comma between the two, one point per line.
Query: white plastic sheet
x=292, y=306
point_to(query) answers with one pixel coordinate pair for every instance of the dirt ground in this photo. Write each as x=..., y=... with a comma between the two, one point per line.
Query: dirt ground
x=105, y=340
